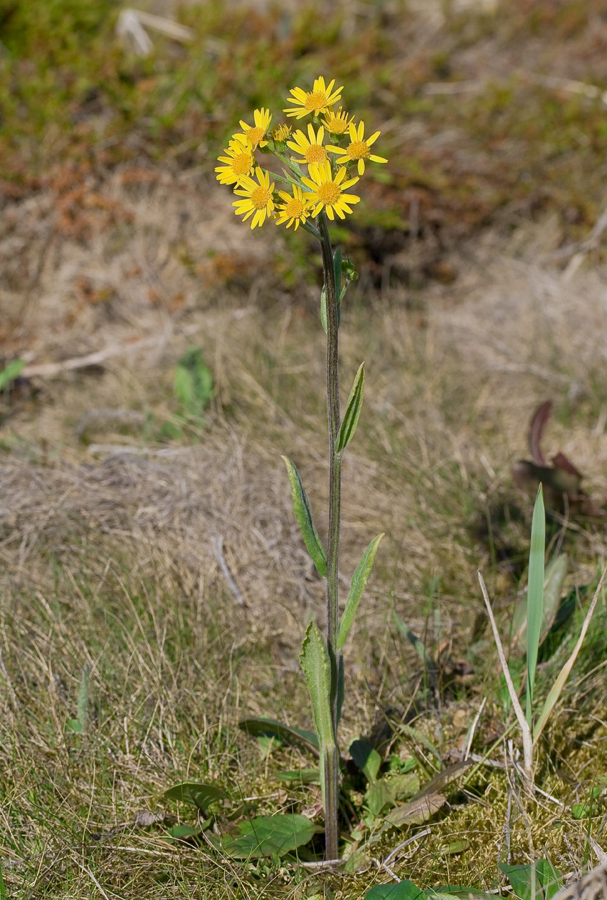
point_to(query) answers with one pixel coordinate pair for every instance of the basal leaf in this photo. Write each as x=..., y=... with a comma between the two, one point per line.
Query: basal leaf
x=197, y=794
x=357, y=587
x=416, y=811
x=353, y=409
x=10, y=372
x=301, y=508
x=366, y=758
x=270, y=836
x=404, y=890
x=295, y=737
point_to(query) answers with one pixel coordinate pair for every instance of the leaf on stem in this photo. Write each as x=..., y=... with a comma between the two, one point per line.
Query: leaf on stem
x=301, y=508
x=316, y=667
x=353, y=409
x=323, y=309
x=535, y=595
x=359, y=583
x=337, y=270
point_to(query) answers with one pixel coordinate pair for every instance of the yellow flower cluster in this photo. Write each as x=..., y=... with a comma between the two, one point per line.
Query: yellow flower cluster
x=324, y=188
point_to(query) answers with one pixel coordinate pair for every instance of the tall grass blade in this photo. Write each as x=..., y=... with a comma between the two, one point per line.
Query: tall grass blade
x=557, y=687
x=535, y=596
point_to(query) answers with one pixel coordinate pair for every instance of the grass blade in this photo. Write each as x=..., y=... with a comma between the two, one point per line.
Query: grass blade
x=557, y=687
x=535, y=595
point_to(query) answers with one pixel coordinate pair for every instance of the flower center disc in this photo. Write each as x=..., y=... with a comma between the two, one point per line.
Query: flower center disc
x=316, y=101
x=242, y=164
x=358, y=150
x=316, y=154
x=329, y=193
x=260, y=197
x=294, y=208
x=255, y=135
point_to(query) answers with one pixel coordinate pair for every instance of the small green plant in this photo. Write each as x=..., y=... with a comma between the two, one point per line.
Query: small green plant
x=532, y=728
x=318, y=175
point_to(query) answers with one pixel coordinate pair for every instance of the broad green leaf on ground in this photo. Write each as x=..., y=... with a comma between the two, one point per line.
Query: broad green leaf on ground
x=357, y=587
x=378, y=796
x=535, y=595
x=197, y=794
x=416, y=811
x=269, y=836
x=461, y=893
x=183, y=832
x=294, y=737
x=547, y=880
x=353, y=410
x=303, y=514
x=404, y=890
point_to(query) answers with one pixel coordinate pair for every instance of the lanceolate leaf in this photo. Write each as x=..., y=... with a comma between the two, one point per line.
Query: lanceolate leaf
x=323, y=309
x=359, y=583
x=10, y=372
x=301, y=508
x=295, y=737
x=535, y=595
x=196, y=794
x=316, y=667
x=352, y=414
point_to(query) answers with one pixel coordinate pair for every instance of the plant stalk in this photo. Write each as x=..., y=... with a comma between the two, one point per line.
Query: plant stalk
x=331, y=773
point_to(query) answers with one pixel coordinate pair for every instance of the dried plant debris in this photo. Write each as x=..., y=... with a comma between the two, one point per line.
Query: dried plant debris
x=561, y=480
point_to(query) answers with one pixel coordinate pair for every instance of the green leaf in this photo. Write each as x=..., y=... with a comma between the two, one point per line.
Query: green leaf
x=416, y=811
x=357, y=587
x=535, y=595
x=10, y=372
x=378, y=796
x=353, y=409
x=404, y=890
x=547, y=880
x=182, y=832
x=301, y=508
x=196, y=794
x=323, y=309
x=366, y=758
x=316, y=667
x=193, y=382
x=301, y=776
x=295, y=737
x=270, y=836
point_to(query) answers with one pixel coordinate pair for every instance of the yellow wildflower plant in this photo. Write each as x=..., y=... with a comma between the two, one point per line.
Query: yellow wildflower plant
x=294, y=210
x=320, y=99
x=327, y=190
x=337, y=123
x=238, y=161
x=258, y=198
x=280, y=133
x=311, y=148
x=255, y=134
x=358, y=149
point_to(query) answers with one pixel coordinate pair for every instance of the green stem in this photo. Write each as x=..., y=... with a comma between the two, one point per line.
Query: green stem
x=331, y=776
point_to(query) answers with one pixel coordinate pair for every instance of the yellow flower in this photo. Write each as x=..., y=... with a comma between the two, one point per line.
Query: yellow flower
x=327, y=192
x=312, y=150
x=239, y=161
x=295, y=208
x=319, y=100
x=280, y=133
x=258, y=198
x=358, y=149
x=255, y=134
x=337, y=122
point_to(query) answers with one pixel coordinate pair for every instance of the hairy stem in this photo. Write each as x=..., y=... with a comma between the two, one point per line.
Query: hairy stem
x=331, y=775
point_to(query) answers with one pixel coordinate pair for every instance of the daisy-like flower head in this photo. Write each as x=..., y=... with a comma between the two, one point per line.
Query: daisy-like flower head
x=337, y=122
x=255, y=134
x=239, y=161
x=358, y=148
x=258, y=201
x=327, y=191
x=312, y=150
x=316, y=101
x=294, y=210
x=280, y=133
